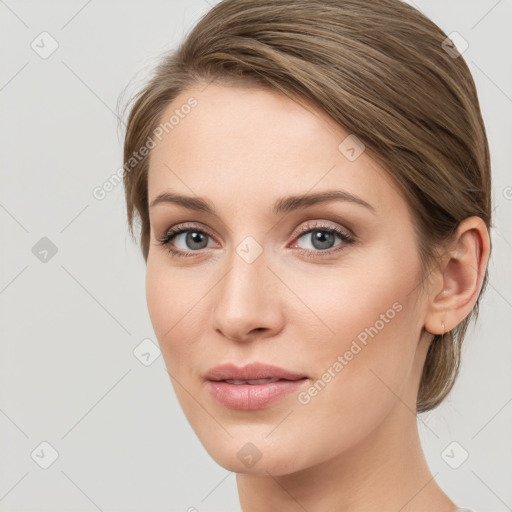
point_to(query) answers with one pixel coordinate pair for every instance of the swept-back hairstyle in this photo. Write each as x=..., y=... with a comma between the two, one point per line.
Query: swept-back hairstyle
x=382, y=71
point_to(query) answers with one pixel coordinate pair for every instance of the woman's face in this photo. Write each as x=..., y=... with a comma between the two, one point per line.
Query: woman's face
x=325, y=293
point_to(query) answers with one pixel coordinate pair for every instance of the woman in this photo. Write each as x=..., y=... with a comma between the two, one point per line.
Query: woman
x=312, y=180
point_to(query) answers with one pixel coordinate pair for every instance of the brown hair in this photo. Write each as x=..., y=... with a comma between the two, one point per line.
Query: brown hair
x=381, y=70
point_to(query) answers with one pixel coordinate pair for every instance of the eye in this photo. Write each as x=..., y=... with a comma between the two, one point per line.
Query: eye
x=322, y=239
x=321, y=236
x=193, y=237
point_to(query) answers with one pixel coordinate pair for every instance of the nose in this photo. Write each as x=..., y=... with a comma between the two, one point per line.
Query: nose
x=246, y=302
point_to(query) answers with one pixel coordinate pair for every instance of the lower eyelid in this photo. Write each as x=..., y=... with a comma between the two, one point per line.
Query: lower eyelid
x=345, y=238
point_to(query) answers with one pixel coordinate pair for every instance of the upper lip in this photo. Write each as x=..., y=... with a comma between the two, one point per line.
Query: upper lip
x=252, y=371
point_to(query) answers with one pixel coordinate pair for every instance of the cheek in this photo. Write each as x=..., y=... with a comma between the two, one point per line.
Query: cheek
x=360, y=301
x=360, y=370
x=173, y=305
x=365, y=330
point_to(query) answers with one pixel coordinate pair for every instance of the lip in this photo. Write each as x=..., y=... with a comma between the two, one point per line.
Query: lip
x=252, y=371
x=250, y=397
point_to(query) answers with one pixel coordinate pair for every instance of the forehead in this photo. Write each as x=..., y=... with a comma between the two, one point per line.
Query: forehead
x=257, y=143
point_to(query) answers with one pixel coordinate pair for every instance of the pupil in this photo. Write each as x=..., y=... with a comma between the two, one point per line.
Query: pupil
x=322, y=239
x=194, y=237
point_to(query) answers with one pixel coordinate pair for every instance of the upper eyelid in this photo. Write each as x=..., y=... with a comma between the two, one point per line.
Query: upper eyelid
x=307, y=226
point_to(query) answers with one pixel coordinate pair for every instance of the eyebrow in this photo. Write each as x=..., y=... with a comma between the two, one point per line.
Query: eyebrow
x=282, y=205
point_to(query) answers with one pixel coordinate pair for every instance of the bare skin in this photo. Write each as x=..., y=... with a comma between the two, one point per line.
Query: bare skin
x=353, y=445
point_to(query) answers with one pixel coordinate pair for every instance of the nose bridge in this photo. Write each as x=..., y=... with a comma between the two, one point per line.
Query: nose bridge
x=246, y=298
x=245, y=283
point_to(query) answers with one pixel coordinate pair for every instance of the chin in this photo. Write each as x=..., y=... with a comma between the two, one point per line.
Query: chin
x=277, y=464
x=252, y=453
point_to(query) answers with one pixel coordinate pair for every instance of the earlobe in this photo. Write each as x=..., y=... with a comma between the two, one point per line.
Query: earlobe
x=463, y=270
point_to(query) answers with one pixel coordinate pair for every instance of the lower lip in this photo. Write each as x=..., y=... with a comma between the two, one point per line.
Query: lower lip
x=251, y=397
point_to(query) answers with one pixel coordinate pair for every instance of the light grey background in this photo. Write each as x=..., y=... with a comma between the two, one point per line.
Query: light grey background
x=70, y=324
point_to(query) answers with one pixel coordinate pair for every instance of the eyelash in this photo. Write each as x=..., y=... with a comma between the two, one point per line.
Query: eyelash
x=346, y=238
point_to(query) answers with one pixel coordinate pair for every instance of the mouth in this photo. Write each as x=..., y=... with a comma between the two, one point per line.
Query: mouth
x=252, y=381
x=251, y=387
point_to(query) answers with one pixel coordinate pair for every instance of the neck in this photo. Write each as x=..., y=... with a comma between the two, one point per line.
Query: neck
x=386, y=470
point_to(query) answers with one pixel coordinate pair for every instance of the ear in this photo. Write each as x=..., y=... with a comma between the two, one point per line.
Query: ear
x=462, y=272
